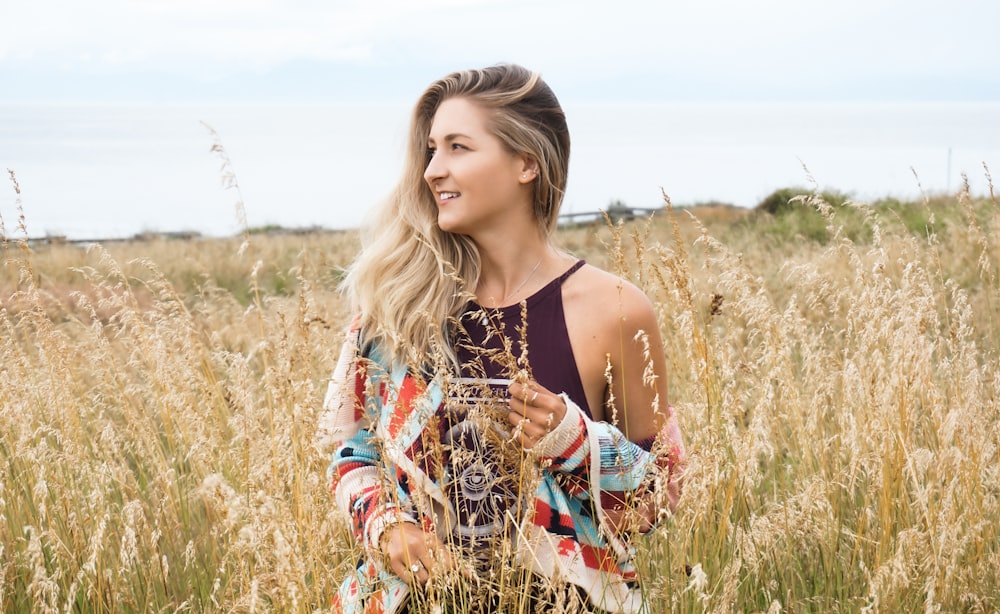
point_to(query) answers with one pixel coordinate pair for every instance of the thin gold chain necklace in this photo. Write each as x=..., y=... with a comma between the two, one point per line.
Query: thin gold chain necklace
x=514, y=292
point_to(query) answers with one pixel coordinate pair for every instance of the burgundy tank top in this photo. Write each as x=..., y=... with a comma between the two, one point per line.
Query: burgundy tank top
x=478, y=485
x=550, y=355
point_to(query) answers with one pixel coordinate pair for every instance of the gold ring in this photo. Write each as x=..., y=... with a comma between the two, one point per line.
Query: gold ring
x=533, y=397
x=415, y=567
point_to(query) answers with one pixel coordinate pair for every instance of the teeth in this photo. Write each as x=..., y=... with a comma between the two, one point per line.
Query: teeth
x=447, y=195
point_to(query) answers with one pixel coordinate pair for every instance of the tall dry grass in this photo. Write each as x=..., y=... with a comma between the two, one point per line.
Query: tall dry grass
x=159, y=402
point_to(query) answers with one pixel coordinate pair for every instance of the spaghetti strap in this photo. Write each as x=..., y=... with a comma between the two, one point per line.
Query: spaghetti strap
x=572, y=269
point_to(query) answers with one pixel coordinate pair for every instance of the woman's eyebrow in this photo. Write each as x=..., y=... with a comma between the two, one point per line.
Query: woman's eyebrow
x=450, y=137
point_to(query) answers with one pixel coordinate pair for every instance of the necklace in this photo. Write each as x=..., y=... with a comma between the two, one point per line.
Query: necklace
x=514, y=292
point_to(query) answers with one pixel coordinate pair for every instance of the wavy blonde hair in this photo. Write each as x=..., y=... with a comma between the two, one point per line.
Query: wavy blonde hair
x=412, y=279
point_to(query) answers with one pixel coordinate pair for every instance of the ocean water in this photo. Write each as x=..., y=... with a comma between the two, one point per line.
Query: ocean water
x=103, y=171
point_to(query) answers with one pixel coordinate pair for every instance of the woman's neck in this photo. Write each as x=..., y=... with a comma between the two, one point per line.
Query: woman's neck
x=514, y=271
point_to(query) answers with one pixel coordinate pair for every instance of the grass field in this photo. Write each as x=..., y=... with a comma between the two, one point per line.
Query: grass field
x=834, y=368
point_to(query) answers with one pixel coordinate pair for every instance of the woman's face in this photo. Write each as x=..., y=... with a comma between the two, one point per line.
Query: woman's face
x=477, y=183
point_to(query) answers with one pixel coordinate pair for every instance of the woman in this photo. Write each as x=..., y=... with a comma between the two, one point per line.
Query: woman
x=494, y=395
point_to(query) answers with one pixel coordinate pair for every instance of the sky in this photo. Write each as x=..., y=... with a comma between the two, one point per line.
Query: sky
x=708, y=100
x=388, y=50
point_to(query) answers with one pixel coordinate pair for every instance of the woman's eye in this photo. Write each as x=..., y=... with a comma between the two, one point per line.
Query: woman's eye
x=430, y=152
x=458, y=146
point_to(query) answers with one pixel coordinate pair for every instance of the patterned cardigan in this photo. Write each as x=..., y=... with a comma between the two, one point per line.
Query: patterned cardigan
x=375, y=418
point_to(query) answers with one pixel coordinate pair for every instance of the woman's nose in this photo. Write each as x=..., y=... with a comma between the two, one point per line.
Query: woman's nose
x=435, y=169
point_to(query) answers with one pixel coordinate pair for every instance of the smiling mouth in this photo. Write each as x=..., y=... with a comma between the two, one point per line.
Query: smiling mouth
x=446, y=196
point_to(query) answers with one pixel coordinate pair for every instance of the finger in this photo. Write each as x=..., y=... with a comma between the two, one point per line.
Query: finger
x=402, y=569
x=547, y=413
x=528, y=441
x=528, y=432
x=535, y=420
x=529, y=393
x=517, y=390
x=521, y=423
x=401, y=566
x=522, y=428
x=534, y=432
x=418, y=572
x=408, y=550
x=436, y=560
x=413, y=569
x=535, y=410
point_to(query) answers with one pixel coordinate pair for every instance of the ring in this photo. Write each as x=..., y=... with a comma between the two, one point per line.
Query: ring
x=533, y=397
x=548, y=422
x=415, y=567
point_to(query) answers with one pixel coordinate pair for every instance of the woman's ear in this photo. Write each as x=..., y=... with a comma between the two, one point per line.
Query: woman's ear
x=529, y=169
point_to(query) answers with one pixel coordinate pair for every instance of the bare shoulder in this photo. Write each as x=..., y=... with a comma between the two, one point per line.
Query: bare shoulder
x=608, y=292
x=604, y=317
x=607, y=298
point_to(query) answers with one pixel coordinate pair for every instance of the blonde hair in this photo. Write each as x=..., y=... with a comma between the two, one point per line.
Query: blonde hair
x=412, y=279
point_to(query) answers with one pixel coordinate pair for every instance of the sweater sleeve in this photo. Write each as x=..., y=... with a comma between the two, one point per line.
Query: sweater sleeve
x=356, y=477
x=589, y=457
x=356, y=472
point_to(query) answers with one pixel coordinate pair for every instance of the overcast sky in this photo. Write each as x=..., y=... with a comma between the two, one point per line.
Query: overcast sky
x=388, y=50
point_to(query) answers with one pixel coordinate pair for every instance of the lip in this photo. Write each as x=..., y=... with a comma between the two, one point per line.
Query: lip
x=445, y=196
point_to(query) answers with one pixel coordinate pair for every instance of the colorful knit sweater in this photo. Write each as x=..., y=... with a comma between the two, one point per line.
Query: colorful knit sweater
x=376, y=419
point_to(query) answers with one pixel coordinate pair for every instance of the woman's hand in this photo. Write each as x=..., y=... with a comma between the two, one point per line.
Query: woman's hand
x=535, y=409
x=640, y=517
x=413, y=554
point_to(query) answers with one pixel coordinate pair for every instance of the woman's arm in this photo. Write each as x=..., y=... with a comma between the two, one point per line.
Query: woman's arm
x=634, y=481
x=635, y=454
x=356, y=469
x=379, y=516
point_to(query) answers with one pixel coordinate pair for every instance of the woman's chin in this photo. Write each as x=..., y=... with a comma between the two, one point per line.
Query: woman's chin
x=451, y=225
